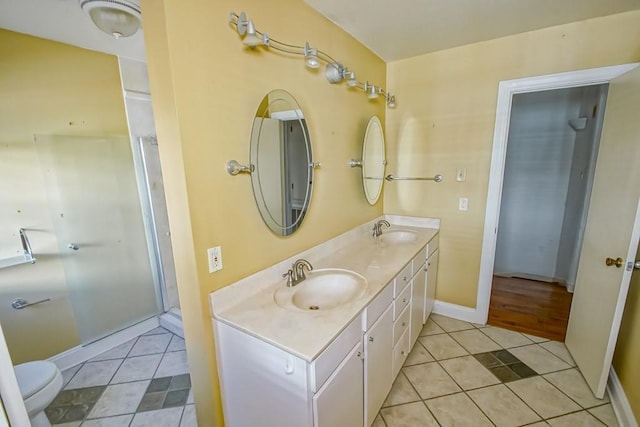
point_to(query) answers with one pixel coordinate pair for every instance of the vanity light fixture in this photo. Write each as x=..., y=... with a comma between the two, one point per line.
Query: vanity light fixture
x=118, y=18
x=335, y=72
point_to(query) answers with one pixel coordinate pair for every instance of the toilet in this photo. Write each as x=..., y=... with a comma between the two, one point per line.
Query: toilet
x=39, y=382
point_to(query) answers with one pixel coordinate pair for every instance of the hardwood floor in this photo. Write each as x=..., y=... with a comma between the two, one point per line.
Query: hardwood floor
x=529, y=306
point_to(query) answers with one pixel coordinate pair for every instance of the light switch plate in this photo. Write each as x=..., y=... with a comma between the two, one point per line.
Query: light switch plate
x=461, y=174
x=214, y=255
x=463, y=204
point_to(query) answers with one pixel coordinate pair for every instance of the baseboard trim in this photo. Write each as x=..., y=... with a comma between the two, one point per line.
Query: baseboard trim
x=172, y=320
x=619, y=401
x=459, y=312
x=82, y=353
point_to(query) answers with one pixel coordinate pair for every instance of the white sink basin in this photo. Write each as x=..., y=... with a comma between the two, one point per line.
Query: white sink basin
x=397, y=236
x=323, y=289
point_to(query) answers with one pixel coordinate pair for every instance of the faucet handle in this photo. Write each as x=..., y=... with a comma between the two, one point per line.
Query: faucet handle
x=289, y=276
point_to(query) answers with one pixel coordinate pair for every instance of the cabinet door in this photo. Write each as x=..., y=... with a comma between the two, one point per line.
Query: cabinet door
x=418, y=303
x=378, y=345
x=432, y=275
x=340, y=400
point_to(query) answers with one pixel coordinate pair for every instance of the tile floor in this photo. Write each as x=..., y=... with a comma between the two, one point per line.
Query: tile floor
x=143, y=382
x=460, y=374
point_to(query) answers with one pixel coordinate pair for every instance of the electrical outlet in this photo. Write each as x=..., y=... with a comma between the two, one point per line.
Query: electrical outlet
x=463, y=204
x=214, y=255
x=461, y=174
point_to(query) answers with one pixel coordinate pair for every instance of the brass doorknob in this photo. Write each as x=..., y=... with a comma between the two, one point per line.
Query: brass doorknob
x=618, y=262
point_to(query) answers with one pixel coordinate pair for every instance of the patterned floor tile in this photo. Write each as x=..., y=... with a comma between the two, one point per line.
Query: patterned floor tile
x=401, y=392
x=430, y=380
x=151, y=344
x=539, y=359
x=119, y=399
x=449, y=324
x=582, y=419
x=503, y=407
x=468, y=373
x=94, y=374
x=506, y=338
x=474, y=341
x=542, y=397
x=161, y=418
x=442, y=346
x=410, y=414
x=605, y=414
x=571, y=383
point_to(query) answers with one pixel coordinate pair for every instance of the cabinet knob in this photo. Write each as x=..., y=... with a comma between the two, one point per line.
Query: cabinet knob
x=405, y=278
x=402, y=352
x=360, y=355
x=404, y=323
x=370, y=339
x=404, y=300
x=428, y=264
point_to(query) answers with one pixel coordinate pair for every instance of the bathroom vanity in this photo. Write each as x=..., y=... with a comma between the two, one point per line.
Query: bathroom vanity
x=284, y=360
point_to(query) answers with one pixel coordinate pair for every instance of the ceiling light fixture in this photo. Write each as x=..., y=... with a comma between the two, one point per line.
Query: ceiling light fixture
x=335, y=72
x=118, y=18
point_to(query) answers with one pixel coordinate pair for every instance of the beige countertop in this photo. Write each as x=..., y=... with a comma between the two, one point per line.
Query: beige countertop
x=249, y=304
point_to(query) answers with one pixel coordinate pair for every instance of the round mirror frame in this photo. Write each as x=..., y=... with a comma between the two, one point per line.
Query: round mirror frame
x=281, y=204
x=373, y=160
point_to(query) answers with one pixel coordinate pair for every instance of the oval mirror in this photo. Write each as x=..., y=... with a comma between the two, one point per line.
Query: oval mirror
x=283, y=163
x=373, y=160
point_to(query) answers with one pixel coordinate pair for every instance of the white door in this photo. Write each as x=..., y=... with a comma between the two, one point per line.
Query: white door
x=612, y=231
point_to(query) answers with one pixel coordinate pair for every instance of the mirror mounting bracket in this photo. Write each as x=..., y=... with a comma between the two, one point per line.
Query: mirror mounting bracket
x=234, y=168
x=353, y=163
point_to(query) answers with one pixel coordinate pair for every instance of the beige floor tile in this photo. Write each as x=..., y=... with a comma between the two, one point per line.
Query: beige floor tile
x=535, y=338
x=506, y=338
x=540, y=424
x=118, y=352
x=189, y=417
x=571, y=383
x=560, y=350
x=401, y=392
x=469, y=373
x=457, y=410
x=411, y=414
x=449, y=324
x=502, y=406
x=418, y=355
x=119, y=399
x=151, y=344
x=378, y=422
x=475, y=341
x=169, y=417
x=539, y=359
x=542, y=397
x=176, y=344
x=137, y=368
x=430, y=328
x=68, y=374
x=119, y=421
x=173, y=363
x=94, y=373
x=582, y=419
x=430, y=380
x=605, y=414
x=442, y=346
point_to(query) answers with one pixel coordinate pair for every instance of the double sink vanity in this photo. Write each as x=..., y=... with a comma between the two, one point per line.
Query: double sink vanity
x=318, y=339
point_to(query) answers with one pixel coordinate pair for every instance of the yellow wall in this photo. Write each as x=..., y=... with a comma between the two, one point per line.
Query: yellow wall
x=445, y=120
x=45, y=88
x=627, y=354
x=206, y=87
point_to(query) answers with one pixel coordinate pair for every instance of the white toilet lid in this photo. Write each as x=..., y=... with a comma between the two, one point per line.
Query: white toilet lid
x=34, y=376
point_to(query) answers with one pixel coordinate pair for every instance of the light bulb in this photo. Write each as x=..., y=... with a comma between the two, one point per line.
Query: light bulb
x=251, y=39
x=311, y=56
x=373, y=92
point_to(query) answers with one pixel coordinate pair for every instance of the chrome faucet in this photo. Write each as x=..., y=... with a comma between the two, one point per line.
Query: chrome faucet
x=377, y=227
x=296, y=274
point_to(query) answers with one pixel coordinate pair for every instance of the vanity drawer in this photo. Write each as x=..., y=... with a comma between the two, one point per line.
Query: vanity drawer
x=321, y=368
x=400, y=353
x=377, y=307
x=401, y=325
x=402, y=280
x=433, y=245
x=401, y=302
x=419, y=260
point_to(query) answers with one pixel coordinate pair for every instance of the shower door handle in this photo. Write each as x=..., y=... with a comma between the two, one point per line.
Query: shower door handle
x=73, y=246
x=636, y=265
x=20, y=303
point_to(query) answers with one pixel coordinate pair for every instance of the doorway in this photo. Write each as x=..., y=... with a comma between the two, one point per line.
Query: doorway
x=552, y=146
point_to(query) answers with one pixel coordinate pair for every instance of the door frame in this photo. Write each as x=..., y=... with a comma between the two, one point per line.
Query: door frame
x=506, y=90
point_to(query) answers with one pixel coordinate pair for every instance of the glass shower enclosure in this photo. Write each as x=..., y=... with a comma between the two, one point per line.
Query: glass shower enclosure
x=96, y=212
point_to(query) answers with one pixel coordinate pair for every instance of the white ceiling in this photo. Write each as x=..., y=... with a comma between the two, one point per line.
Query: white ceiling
x=401, y=29
x=392, y=29
x=63, y=21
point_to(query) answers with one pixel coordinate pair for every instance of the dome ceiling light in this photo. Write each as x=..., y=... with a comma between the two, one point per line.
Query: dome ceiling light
x=118, y=18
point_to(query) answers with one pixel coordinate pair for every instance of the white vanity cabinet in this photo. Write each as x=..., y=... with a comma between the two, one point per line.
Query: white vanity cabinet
x=432, y=274
x=268, y=379
x=265, y=385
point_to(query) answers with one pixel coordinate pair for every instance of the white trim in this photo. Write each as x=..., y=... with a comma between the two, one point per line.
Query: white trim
x=506, y=90
x=9, y=389
x=288, y=115
x=619, y=401
x=459, y=312
x=172, y=320
x=80, y=354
